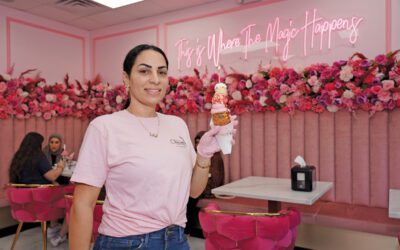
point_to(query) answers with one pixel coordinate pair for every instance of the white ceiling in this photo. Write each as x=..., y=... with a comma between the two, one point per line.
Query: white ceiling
x=95, y=17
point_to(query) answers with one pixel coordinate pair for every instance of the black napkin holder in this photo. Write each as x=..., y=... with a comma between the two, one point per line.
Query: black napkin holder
x=303, y=178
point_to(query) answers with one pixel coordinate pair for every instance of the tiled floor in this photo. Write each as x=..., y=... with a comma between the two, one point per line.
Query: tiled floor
x=32, y=240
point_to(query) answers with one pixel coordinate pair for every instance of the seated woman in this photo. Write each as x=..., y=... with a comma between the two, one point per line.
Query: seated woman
x=29, y=165
x=53, y=152
x=215, y=179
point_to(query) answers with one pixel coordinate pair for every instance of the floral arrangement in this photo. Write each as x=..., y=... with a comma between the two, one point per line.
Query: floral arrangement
x=356, y=83
x=25, y=97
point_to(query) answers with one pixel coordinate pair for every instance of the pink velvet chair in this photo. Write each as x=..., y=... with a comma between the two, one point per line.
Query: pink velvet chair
x=35, y=203
x=248, y=231
x=97, y=215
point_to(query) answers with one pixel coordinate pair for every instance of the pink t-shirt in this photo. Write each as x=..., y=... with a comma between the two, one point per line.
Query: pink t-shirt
x=147, y=179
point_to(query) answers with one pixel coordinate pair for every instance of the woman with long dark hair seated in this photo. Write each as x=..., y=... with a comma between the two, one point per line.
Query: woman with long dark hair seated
x=29, y=165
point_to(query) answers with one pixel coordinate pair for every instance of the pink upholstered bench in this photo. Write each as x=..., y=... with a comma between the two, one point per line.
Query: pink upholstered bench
x=332, y=214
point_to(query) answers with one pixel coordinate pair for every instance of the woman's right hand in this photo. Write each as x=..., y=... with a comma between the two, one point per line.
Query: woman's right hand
x=61, y=164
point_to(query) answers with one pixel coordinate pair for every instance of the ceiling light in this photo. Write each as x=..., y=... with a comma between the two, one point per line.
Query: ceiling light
x=116, y=3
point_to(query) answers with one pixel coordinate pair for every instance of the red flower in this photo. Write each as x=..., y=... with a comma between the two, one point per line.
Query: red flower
x=369, y=79
x=329, y=86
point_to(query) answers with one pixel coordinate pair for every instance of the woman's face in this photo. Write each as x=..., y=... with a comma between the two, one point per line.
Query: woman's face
x=55, y=144
x=148, y=81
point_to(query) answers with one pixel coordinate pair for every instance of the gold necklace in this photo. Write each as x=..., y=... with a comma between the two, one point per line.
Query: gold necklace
x=155, y=135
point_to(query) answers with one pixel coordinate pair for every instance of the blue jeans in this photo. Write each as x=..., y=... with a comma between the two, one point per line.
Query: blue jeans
x=169, y=238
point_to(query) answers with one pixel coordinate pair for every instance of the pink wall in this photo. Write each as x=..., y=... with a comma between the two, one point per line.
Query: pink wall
x=109, y=51
x=378, y=32
x=31, y=42
x=358, y=153
x=338, y=144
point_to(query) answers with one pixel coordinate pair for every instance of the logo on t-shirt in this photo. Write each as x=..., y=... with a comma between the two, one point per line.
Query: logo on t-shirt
x=180, y=142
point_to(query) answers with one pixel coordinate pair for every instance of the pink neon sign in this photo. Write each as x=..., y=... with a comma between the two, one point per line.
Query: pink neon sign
x=314, y=31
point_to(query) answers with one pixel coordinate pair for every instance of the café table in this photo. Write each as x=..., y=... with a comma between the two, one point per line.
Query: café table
x=394, y=203
x=275, y=190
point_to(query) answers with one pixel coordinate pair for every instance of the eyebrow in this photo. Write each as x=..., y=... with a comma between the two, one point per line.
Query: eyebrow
x=148, y=66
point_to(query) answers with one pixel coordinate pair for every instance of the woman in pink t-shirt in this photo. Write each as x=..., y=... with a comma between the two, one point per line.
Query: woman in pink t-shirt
x=145, y=160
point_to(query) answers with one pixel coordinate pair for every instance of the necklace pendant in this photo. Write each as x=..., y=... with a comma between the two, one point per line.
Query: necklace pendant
x=153, y=135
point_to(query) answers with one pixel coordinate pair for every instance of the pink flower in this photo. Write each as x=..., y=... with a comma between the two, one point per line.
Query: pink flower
x=47, y=115
x=387, y=84
x=313, y=80
x=396, y=96
x=3, y=87
x=384, y=95
x=284, y=88
x=375, y=89
x=257, y=77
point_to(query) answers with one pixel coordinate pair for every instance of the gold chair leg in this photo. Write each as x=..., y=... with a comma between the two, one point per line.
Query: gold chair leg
x=17, y=234
x=44, y=234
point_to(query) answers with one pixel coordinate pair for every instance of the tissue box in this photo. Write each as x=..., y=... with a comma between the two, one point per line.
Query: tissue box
x=303, y=178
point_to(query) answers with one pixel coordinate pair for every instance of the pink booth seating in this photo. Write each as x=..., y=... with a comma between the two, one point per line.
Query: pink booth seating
x=35, y=203
x=97, y=214
x=245, y=231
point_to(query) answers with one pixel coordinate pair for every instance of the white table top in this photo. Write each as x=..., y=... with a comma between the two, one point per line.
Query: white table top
x=394, y=203
x=274, y=189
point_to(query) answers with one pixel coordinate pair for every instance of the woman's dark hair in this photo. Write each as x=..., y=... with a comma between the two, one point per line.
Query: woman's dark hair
x=131, y=58
x=28, y=155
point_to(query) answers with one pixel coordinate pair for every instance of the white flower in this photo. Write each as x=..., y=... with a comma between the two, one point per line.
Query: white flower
x=50, y=97
x=348, y=94
x=380, y=76
x=237, y=95
x=282, y=99
x=65, y=98
x=332, y=108
x=108, y=108
x=51, y=84
x=207, y=105
x=262, y=100
x=346, y=73
x=316, y=88
x=249, y=84
x=24, y=94
x=118, y=99
x=41, y=84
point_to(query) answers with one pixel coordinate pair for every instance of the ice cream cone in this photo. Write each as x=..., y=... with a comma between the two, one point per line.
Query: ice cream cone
x=224, y=138
x=221, y=118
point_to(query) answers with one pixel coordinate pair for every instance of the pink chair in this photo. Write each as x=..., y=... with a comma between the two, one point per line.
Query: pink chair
x=97, y=214
x=35, y=203
x=248, y=231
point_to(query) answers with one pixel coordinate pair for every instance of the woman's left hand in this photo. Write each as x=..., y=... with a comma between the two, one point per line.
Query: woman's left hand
x=208, y=144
